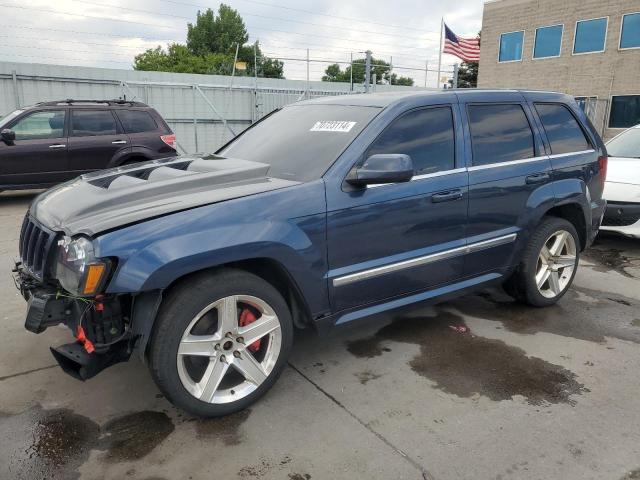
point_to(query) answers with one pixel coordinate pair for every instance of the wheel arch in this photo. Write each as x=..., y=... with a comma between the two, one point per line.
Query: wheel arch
x=147, y=305
x=573, y=213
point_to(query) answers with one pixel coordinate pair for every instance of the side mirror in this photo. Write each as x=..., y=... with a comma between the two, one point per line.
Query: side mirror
x=382, y=168
x=8, y=136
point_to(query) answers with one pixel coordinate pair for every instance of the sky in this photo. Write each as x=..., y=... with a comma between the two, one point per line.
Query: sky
x=109, y=33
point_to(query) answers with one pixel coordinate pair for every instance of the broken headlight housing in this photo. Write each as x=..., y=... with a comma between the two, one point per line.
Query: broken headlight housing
x=77, y=268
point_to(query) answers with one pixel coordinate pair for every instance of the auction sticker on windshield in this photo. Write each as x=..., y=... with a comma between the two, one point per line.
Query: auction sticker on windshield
x=332, y=126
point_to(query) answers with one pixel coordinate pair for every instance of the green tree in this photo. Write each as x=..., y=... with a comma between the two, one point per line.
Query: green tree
x=379, y=68
x=211, y=47
x=216, y=33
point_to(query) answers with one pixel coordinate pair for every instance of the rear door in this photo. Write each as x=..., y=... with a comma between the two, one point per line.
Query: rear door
x=95, y=137
x=394, y=239
x=39, y=154
x=507, y=165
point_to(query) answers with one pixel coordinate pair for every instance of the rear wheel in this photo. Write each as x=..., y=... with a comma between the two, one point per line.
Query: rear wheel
x=220, y=342
x=548, y=265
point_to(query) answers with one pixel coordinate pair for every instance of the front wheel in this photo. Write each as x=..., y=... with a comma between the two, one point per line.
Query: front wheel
x=220, y=342
x=548, y=265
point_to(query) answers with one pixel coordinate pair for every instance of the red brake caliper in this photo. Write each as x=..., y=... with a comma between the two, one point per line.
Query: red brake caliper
x=247, y=317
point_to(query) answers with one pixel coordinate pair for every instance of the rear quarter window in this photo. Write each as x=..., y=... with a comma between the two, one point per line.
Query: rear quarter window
x=499, y=133
x=563, y=131
x=137, y=121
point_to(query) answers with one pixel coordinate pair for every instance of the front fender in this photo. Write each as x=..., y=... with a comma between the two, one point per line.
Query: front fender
x=287, y=226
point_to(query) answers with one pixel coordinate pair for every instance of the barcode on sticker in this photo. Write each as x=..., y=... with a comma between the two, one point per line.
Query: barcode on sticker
x=332, y=126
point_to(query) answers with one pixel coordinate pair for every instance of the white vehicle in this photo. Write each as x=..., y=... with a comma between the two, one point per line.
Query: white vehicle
x=622, y=188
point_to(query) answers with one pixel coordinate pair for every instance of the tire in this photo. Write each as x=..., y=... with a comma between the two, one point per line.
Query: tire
x=555, y=273
x=188, y=346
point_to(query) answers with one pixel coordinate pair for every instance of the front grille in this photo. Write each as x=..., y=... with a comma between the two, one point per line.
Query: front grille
x=620, y=221
x=35, y=245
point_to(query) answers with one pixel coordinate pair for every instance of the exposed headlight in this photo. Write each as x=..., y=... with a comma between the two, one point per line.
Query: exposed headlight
x=77, y=269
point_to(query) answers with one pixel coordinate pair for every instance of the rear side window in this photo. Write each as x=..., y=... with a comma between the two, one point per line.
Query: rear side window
x=426, y=135
x=499, y=133
x=85, y=123
x=137, y=121
x=562, y=129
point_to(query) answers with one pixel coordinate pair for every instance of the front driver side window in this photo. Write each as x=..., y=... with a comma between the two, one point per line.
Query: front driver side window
x=40, y=125
x=426, y=135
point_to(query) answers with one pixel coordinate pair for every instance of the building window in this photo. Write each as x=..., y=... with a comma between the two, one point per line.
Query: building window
x=630, y=34
x=590, y=35
x=511, y=46
x=548, y=41
x=625, y=111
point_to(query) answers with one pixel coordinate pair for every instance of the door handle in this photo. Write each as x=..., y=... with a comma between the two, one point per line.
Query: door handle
x=119, y=142
x=58, y=145
x=537, y=178
x=447, y=196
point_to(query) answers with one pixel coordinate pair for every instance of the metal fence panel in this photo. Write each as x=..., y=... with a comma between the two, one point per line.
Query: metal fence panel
x=202, y=110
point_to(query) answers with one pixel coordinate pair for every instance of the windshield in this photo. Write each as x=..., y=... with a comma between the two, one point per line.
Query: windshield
x=7, y=118
x=627, y=144
x=301, y=142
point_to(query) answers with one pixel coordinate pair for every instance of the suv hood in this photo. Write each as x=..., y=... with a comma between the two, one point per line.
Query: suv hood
x=107, y=199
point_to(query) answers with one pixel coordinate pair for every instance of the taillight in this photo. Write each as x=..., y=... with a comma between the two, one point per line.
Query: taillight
x=169, y=140
x=602, y=167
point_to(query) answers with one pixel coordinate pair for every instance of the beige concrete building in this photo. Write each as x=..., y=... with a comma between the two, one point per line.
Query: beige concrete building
x=587, y=48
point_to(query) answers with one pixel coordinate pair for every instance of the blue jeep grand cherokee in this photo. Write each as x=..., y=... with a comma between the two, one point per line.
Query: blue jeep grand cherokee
x=323, y=213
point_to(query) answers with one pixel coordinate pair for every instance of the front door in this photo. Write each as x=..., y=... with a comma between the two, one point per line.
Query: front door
x=394, y=239
x=95, y=137
x=39, y=154
x=507, y=166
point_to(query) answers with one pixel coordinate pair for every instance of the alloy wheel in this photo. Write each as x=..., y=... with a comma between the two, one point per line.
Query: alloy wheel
x=229, y=349
x=556, y=262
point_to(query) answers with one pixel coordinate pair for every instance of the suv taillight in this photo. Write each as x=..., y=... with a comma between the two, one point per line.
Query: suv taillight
x=169, y=140
x=602, y=167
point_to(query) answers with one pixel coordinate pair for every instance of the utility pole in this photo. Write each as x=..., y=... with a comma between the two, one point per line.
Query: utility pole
x=233, y=71
x=440, y=51
x=255, y=82
x=351, y=72
x=308, y=92
x=426, y=72
x=456, y=67
x=367, y=71
x=390, y=70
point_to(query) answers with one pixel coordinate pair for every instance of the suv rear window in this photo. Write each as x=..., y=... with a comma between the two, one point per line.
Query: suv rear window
x=499, y=133
x=425, y=135
x=137, y=121
x=563, y=131
x=85, y=123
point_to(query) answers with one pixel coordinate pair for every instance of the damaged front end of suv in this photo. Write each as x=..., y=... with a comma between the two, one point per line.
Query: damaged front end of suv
x=62, y=280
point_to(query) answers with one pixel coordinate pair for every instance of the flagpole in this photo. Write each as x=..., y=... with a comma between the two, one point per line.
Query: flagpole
x=440, y=51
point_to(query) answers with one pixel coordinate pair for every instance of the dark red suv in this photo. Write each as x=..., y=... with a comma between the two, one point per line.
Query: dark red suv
x=52, y=142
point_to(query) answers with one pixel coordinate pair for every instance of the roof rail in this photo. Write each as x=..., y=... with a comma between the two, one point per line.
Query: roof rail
x=71, y=101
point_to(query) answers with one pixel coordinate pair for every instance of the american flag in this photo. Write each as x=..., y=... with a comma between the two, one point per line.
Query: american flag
x=466, y=49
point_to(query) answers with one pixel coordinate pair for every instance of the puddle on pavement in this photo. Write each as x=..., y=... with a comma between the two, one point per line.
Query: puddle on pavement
x=633, y=475
x=466, y=365
x=366, y=376
x=607, y=259
x=55, y=443
x=133, y=436
x=226, y=429
x=582, y=314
